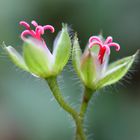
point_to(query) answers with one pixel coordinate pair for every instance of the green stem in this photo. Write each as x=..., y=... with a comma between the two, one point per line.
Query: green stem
x=52, y=82
x=86, y=98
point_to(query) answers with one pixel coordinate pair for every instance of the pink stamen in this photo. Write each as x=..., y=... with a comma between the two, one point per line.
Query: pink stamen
x=25, y=24
x=108, y=40
x=107, y=49
x=116, y=45
x=94, y=38
x=49, y=27
x=34, y=23
x=104, y=46
x=27, y=32
x=95, y=43
x=39, y=30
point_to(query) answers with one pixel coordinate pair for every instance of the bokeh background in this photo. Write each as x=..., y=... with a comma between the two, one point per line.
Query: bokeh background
x=27, y=108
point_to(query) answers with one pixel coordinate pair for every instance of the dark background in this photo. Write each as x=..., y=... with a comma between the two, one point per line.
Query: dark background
x=27, y=109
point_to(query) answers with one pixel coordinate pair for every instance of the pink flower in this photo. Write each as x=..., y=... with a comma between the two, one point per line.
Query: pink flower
x=92, y=65
x=104, y=46
x=37, y=58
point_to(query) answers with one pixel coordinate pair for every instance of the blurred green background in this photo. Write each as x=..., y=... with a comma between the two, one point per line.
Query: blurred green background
x=27, y=109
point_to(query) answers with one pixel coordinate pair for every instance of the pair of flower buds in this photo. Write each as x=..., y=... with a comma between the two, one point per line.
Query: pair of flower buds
x=91, y=65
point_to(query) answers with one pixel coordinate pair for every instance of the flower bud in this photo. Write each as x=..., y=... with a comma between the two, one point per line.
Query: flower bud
x=76, y=55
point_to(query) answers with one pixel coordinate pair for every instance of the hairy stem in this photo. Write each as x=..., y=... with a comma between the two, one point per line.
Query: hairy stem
x=86, y=98
x=52, y=82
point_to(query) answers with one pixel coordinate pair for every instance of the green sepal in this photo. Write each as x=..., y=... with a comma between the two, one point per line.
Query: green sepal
x=76, y=55
x=117, y=70
x=38, y=58
x=16, y=58
x=62, y=49
x=88, y=68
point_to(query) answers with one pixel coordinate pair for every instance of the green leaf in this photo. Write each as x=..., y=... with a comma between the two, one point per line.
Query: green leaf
x=38, y=58
x=62, y=49
x=117, y=70
x=76, y=55
x=16, y=58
